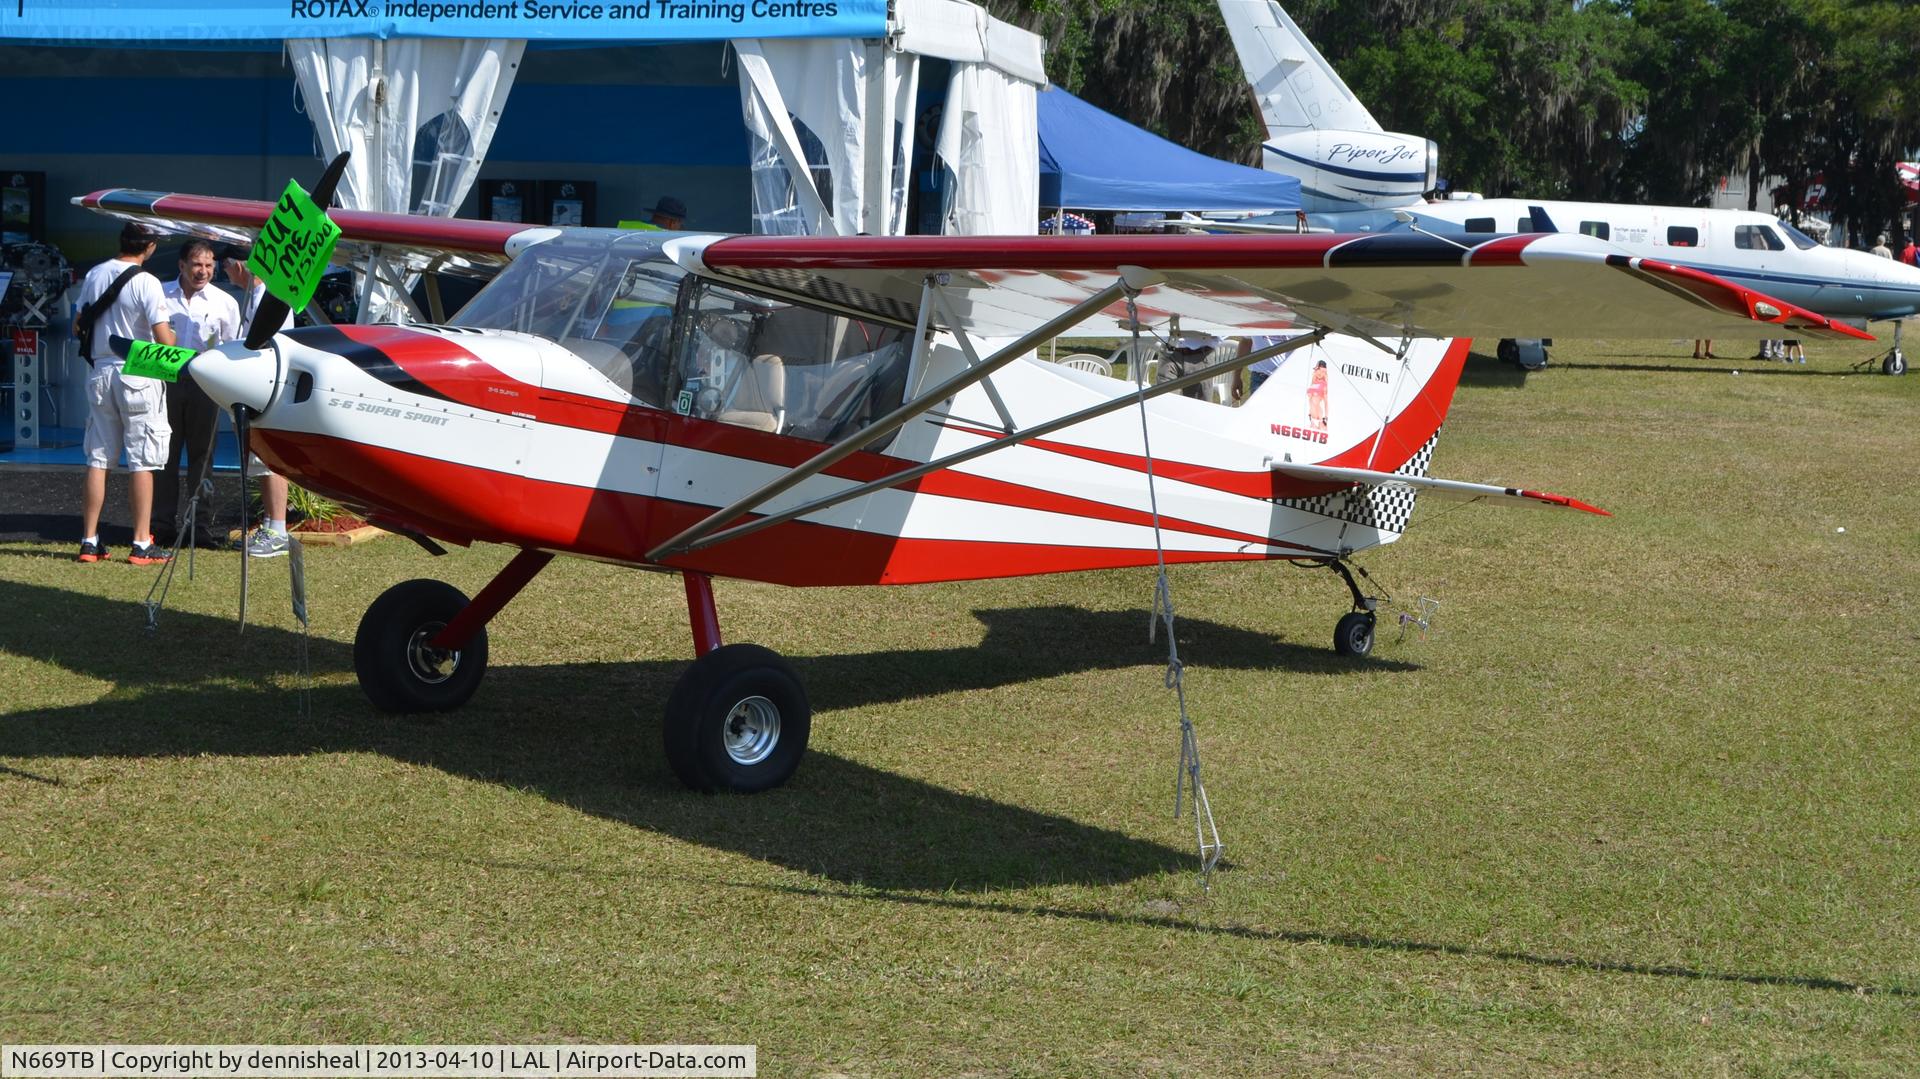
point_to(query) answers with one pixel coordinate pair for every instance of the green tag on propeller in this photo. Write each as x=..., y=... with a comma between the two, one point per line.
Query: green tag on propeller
x=293, y=247
x=150, y=360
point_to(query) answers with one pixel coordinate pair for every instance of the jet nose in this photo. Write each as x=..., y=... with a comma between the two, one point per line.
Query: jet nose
x=233, y=374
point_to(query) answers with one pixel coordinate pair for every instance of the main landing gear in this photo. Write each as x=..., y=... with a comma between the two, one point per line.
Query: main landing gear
x=737, y=720
x=1529, y=354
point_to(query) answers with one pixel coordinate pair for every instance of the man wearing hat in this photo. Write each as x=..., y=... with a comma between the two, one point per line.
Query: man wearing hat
x=669, y=214
x=1190, y=353
x=125, y=412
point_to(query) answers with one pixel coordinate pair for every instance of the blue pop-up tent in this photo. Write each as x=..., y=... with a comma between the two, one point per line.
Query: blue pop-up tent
x=1093, y=160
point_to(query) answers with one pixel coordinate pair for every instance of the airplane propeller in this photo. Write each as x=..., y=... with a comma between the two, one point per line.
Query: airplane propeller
x=273, y=310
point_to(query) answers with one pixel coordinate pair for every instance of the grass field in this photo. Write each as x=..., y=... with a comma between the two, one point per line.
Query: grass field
x=1645, y=802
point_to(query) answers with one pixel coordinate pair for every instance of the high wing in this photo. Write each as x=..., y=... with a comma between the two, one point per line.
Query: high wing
x=1381, y=286
x=422, y=244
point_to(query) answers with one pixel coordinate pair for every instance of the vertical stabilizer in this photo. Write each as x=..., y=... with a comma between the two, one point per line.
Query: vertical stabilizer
x=1346, y=404
x=1296, y=87
x=1317, y=131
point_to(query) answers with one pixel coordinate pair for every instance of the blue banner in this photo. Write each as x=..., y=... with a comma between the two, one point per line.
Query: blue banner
x=177, y=21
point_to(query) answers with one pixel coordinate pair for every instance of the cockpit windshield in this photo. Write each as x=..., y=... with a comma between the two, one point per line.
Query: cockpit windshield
x=1800, y=239
x=607, y=296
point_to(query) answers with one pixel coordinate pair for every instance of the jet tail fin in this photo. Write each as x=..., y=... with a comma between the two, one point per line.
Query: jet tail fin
x=1296, y=88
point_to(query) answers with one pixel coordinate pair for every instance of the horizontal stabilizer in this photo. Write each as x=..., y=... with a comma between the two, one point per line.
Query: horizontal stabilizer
x=1451, y=489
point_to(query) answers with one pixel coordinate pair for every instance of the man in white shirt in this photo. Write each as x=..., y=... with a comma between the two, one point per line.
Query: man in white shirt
x=124, y=412
x=201, y=316
x=270, y=540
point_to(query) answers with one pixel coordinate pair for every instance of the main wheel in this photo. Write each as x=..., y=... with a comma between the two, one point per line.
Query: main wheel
x=738, y=720
x=1894, y=364
x=1353, y=634
x=399, y=671
x=1507, y=350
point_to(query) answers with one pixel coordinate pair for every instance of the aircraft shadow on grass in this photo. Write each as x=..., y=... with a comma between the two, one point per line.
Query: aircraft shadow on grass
x=1765, y=367
x=1486, y=372
x=587, y=735
x=1357, y=941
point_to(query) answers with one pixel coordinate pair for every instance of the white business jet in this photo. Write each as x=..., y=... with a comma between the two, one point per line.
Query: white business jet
x=1356, y=176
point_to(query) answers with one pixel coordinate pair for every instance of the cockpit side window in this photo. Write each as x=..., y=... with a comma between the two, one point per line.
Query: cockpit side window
x=1757, y=238
x=770, y=364
x=607, y=299
x=1800, y=239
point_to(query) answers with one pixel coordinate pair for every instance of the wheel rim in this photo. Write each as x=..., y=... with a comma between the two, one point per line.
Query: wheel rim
x=752, y=730
x=431, y=665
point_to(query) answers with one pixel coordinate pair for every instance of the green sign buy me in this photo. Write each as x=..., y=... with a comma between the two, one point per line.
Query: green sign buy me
x=293, y=247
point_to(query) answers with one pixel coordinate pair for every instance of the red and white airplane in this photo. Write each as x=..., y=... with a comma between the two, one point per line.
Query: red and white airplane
x=821, y=411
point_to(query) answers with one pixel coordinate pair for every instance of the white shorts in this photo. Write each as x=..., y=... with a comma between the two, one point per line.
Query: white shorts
x=126, y=412
x=257, y=468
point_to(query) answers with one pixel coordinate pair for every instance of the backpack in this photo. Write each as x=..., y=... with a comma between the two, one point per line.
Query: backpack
x=84, y=322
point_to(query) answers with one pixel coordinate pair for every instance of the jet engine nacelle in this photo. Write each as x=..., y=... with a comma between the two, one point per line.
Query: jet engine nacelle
x=1355, y=170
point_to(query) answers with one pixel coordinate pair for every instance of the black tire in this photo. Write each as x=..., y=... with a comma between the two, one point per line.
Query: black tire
x=717, y=722
x=1353, y=634
x=398, y=673
x=1507, y=351
x=1894, y=364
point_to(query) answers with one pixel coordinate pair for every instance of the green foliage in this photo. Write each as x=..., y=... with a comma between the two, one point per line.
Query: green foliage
x=312, y=506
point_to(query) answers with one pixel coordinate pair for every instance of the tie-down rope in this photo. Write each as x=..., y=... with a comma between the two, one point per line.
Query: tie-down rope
x=1205, y=835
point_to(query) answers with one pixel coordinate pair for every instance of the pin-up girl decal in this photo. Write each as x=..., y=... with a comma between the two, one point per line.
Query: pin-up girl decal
x=1317, y=398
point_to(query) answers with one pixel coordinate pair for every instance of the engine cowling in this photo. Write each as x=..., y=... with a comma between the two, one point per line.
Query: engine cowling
x=1355, y=170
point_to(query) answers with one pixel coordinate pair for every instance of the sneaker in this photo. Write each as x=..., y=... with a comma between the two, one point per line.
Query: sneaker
x=266, y=543
x=148, y=554
x=93, y=552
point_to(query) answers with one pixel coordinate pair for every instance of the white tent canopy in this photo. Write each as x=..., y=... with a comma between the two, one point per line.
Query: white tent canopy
x=831, y=125
x=418, y=114
x=828, y=122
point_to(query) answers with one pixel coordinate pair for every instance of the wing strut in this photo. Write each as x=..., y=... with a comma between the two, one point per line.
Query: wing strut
x=847, y=447
x=1012, y=439
x=939, y=297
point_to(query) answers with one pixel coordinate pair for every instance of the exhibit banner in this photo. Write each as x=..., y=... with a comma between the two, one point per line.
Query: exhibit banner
x=134, y=21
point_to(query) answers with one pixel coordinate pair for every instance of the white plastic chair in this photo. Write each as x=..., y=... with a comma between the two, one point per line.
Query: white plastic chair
x=1087, y=361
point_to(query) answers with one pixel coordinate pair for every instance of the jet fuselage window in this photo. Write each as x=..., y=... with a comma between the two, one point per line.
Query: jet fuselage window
x=1683, y=236
x=1479, y=224
x=1597, y=229
x=1757, y=238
